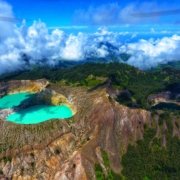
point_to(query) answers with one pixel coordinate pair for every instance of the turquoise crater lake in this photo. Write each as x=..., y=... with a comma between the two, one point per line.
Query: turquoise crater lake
x=40, y=113
x=13, y=100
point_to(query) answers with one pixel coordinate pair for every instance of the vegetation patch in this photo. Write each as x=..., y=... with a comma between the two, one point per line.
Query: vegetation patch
x=150, y=160
x=110, y=174
x=140, y=83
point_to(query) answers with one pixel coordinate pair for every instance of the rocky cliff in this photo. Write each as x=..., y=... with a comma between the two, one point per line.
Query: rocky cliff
x=22, y=86
x=70, y=149
x=171, y=95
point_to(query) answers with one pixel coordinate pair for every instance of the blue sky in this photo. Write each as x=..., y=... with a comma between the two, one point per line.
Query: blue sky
x=94, y=12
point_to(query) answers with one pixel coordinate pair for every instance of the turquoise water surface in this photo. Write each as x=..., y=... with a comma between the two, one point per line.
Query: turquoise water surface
x=40, y=113
x=13, y=100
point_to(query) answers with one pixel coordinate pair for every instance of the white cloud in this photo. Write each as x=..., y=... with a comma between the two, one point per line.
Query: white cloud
x=73, y=49
x=150, y=53
x=69, y=27
x=103, y=15
x=6, y=27
x=114, y=14
x=128, y=13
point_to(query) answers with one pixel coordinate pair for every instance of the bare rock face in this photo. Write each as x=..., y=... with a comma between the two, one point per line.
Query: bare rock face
x=68, y=150
x=171, y=95
x=160, y=97
x=50, y=96
x=23, y=85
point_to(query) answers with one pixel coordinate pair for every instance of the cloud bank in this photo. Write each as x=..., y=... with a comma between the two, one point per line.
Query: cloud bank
x=5, y=11
x=115, y=14
x=26, y=46
x=150, y=53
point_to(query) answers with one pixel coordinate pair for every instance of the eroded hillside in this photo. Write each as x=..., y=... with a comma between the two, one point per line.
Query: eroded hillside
x=70, y=148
